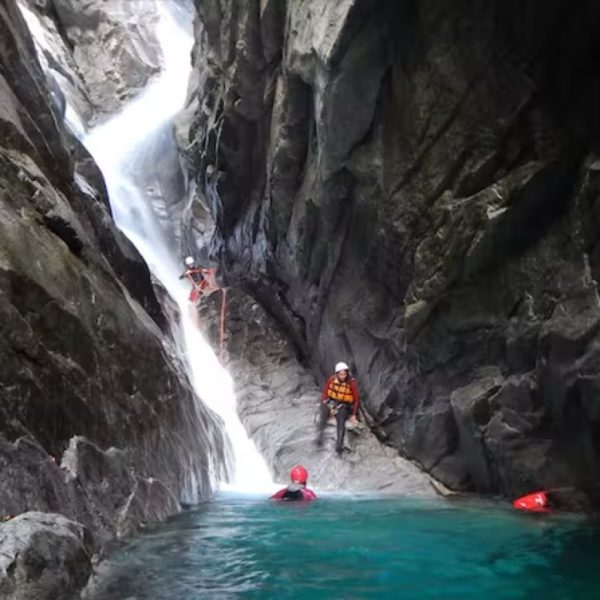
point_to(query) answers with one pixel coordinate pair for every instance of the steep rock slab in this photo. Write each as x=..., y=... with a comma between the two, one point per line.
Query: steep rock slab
x=79, y=355
x=277, y=400
x=409, y=186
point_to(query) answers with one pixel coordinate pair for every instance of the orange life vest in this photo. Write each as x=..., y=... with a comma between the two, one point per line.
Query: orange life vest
x=340, y=391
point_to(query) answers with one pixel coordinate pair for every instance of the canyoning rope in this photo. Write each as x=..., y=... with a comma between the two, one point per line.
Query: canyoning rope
x=222, y=328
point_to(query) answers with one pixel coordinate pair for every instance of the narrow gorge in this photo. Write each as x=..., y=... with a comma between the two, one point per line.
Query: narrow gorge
x=408, y=186
x=100, y=422
x=412, y=187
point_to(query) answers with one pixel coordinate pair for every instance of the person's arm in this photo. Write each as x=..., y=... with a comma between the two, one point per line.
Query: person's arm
x=354, y=389
x=309, y=494
x=326, y=389
x=183, y=275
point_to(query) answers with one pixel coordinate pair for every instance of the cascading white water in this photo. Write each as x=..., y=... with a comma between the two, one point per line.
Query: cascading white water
x=113, y=146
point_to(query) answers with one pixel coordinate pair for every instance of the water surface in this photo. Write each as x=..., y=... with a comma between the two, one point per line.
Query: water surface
x=350, y=548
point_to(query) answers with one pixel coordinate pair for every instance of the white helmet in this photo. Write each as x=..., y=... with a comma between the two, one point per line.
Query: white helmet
x=189, y=261
x=341, y=366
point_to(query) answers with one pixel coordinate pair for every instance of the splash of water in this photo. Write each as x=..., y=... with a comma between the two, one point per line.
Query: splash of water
x=114, y=145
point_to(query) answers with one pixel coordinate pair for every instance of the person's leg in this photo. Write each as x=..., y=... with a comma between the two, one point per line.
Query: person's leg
x=341, y=417
x=323, y=416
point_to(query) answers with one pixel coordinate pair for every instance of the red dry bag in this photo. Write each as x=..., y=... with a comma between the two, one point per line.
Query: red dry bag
x=536, y=502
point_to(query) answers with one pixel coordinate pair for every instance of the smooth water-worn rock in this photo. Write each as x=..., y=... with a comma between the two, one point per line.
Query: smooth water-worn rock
x=43, y=556
x=155, y=168
x=88, y=380
x=278, y=399
x=413, y=187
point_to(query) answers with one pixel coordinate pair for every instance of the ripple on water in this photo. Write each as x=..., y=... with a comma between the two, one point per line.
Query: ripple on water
x=356, y=548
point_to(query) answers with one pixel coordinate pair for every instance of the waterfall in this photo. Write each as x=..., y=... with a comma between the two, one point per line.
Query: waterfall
x=114, y=146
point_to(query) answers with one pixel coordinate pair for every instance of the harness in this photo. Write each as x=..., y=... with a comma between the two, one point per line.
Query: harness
x=203, y=281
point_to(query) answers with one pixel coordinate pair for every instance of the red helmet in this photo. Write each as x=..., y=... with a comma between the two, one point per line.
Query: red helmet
x=299, y=474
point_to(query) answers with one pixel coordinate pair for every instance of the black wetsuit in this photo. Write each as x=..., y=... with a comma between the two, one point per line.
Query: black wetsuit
x=343, y=411
x=195, y=274
x=294, y=493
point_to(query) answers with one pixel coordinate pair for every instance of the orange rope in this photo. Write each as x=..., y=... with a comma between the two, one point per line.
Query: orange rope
x=223, y=306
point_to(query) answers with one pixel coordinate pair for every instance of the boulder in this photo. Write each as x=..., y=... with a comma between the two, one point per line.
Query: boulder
x=43, y=556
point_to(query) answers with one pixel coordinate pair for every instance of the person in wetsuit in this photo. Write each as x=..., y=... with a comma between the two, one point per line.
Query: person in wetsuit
x=192, y=271
x=196, y=276
x=340, y=397
x=297, y=490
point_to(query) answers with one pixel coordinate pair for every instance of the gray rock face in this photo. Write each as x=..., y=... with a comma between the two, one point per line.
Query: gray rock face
x=56, y=57
x=156, y=169
x=410, y=187
x=79, y=354
x=106, y=491
x=43, y=556
x=277, y=401
x=113, y=45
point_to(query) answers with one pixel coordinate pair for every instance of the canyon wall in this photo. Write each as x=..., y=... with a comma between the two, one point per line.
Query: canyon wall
x=412, y=186
x=98, y=420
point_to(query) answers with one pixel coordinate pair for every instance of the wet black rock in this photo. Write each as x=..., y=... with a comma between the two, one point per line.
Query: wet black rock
x=88, y=380
x=42, y=556
x=413, y=187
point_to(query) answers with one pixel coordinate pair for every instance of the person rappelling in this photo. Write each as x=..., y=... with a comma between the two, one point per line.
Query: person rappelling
x=204, y=283
x=191, y=271
x=339, y=399
x=203, y=280
x=197, y=276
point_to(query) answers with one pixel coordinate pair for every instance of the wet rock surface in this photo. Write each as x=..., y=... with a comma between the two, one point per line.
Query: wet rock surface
x=56, y=57
x=278, y=399
x=43, y=555
x=98, y=420
x=413, y=187
x=113, y=44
